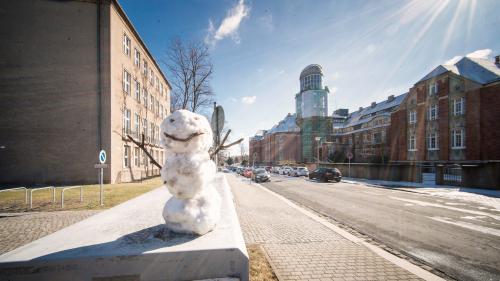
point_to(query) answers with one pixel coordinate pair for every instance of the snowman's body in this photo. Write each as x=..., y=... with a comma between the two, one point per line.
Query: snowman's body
x=189, y=174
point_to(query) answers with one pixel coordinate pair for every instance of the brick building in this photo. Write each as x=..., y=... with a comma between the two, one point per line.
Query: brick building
x=364, y=133
x=79, y=82
x=278, y=146
x=448, y=123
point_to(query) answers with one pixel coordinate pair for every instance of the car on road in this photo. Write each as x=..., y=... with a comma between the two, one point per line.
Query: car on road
x=285, y=171
x=247, y=173
x=300, y=172
x=261, y=175
x=326, y=174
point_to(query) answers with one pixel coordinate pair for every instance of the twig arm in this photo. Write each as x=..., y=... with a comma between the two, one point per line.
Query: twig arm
x=141, y=146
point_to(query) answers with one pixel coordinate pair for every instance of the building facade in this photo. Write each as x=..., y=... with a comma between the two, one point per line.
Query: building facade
x=363, y=133
x=80, y=82
x=281, y=145
x=448, y=123
x=311, y=106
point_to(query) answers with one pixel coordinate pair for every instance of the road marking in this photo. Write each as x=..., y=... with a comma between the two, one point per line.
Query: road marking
x=467, y=225
x=427, y=204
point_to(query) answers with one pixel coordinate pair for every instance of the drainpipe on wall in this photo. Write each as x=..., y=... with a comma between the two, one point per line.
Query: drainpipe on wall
x=99, y=101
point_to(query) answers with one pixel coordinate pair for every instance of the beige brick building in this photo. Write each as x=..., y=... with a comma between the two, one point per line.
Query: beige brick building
x=76, y=77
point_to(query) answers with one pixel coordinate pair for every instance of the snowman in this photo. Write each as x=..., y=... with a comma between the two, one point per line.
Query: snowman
x=189, y=174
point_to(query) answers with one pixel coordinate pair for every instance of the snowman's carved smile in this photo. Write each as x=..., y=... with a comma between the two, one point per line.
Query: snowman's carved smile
x=193, y=135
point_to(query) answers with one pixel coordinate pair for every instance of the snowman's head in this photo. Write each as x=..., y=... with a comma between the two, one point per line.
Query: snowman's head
x=186, y=132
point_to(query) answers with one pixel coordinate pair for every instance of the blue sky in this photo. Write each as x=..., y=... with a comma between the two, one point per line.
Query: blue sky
x=368, y=49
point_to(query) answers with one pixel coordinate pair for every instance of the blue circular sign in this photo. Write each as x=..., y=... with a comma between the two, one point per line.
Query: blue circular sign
x=102, y=156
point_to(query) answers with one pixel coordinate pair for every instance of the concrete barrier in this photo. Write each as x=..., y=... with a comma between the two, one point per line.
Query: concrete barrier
x=130, y=242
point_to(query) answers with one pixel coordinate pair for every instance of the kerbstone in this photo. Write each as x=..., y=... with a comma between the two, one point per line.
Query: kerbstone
x=130, y=241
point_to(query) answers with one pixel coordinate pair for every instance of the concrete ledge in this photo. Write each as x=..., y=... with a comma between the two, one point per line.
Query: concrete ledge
x=130, y=242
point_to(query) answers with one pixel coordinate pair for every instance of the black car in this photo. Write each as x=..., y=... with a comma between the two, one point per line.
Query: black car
x=326, y=174
x=260, y=175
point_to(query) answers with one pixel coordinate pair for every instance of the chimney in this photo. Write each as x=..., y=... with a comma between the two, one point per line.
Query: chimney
x=497, y=59
x=390, y=98
x=374, y=104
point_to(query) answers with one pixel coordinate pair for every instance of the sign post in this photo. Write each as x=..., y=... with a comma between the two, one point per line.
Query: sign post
x=349, y=156
x=101, y=166
x=217, y=123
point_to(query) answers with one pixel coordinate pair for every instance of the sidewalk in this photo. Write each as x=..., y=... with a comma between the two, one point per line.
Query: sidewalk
x=302, y=246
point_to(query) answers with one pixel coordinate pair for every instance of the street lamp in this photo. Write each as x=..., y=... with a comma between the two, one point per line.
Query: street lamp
x=318, y=139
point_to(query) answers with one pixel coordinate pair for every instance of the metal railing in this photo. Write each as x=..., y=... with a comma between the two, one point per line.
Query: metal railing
x=42, y=188
x=19, y=188
x=71, y=187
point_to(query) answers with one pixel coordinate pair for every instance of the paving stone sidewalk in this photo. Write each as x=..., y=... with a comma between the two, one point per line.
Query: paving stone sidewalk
x=301, y=248
x=18, y=229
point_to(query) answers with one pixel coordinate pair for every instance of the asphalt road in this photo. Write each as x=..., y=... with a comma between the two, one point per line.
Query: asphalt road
x=458, y=237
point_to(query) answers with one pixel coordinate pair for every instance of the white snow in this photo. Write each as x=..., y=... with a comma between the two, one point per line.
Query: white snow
x=189, y=174
x=486, y=197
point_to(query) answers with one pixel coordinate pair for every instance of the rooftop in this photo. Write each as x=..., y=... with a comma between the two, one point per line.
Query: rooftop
x=311, y=69
x=479, y=70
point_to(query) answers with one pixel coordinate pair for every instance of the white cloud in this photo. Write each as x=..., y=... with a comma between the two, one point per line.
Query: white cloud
x=248, y=99
x=478, y=54
x=229, y=25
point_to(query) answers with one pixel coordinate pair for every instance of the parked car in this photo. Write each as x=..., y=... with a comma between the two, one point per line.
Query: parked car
x=260, y=175
x=275, y=169
x=326, y=174
x=300, y=172
x=225, y=170
x=286, y=170
x=247, y=173
x=239, y=170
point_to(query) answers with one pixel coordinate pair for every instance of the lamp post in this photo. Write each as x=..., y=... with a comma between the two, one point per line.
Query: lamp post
x=318, y=139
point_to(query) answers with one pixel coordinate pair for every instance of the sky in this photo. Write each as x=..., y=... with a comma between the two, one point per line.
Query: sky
x=368, y=49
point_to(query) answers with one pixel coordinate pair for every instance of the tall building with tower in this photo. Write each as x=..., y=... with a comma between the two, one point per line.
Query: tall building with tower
x=311, y=106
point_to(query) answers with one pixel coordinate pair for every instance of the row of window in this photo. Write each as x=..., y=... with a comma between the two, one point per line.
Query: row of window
x=312, y=81
x=148, y=72
x=139, y=155
x=150, y=130
x=153, y=105
x=432, y=111
x=457, y=140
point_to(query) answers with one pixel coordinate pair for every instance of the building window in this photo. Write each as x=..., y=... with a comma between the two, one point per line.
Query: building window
x=459, y=106
x=151, y=103
x=145, y=127
x=157, y=107
x=136, y=156
x=157, y=83
x=161, y=111
x=137, y=58
x=151, y=76
x=432, y=141
x=126, y=156
x=433, y=112
x=126, y=81
x=412, y=143
x=152, y=131
x=145, y=97
x=126, y=44
x=433, y=88
x=413, y=117
x=161, y=89
x=137, y=91
x=458, y=139
x=137, y=124
x=145, y=68
x=126, y=121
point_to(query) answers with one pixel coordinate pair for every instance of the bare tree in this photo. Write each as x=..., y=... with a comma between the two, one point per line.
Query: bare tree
x=190, y=70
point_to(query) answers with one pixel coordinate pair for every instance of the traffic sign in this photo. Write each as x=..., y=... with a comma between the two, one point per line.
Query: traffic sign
x=102, y=156
x=101, y=166
x=217, y=122
x=349, y=155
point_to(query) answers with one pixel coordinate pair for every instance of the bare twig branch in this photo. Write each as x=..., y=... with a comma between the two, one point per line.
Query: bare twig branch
x=141, y=146
x=193, y=135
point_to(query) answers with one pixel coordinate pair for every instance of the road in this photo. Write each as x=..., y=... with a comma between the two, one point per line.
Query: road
x=460, y=238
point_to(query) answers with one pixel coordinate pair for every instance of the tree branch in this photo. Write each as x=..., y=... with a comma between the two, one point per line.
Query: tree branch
x=141, y=146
